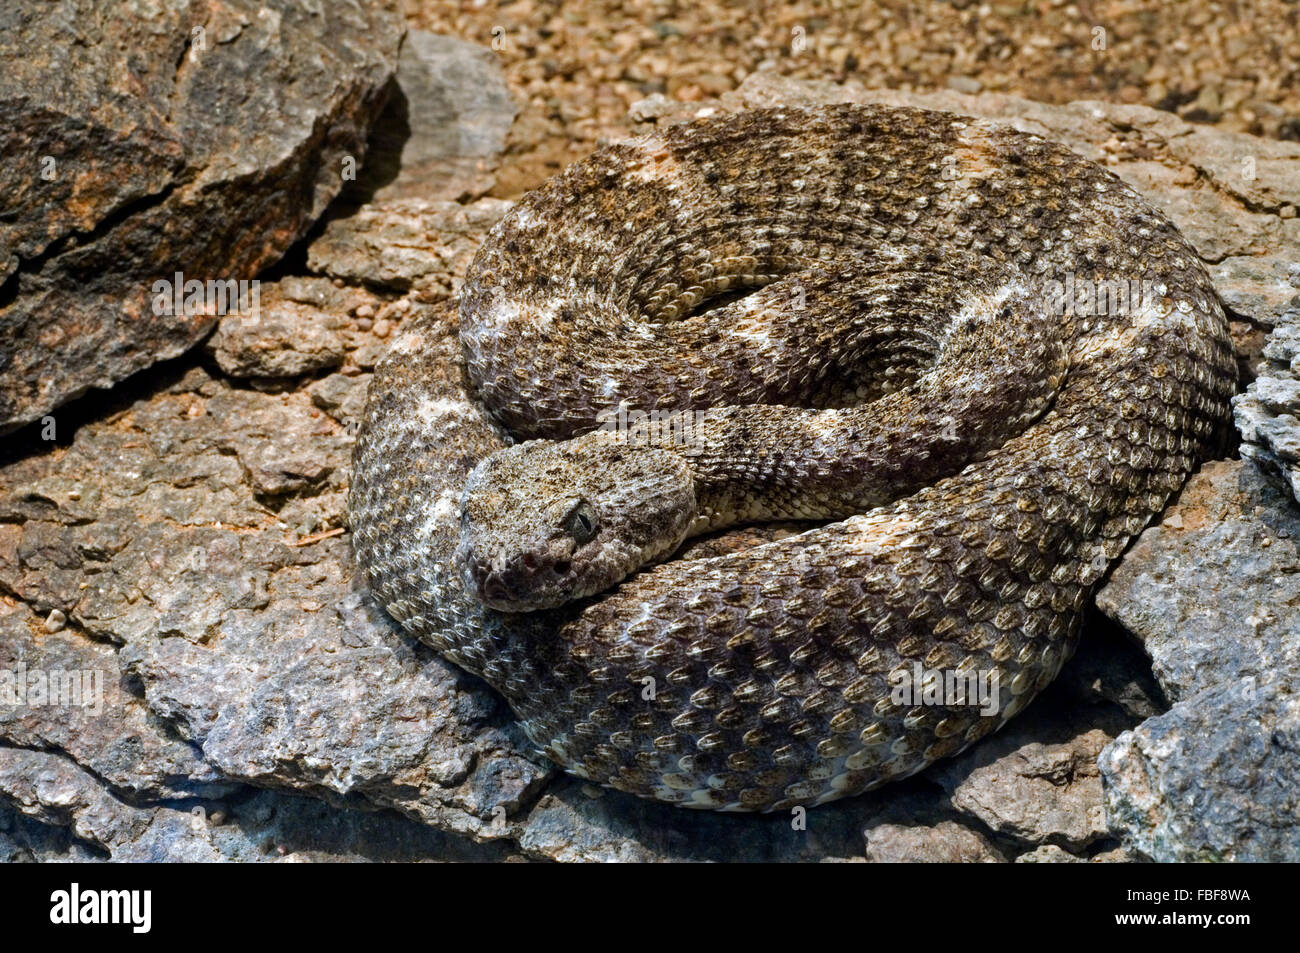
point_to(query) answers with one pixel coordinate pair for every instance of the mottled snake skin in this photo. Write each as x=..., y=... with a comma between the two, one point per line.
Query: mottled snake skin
x=1001, y=454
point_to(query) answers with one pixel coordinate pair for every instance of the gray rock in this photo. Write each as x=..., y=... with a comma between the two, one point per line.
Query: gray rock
x=1214, y=779
x=1049, y=854
x=284, y=338
x=66, y=694
x=444, y=126
x=1213, y=591
x=578, y=822
x=1109, y=667
x=127, y=179
x=51, y=795
x=26, y=841
x=1268, y=414
x=406, y=244
x=1263, y=288
x=245, y=636
x=1036, y=781
x=911, y=831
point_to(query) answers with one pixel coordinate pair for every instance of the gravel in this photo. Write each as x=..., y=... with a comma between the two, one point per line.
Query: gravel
x=577, y=68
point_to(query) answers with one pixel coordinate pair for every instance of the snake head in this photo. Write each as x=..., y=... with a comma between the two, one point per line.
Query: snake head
x=545, y=523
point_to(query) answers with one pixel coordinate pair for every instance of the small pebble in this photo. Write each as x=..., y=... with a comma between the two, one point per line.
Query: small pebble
x=55, y=621
x=382, y=327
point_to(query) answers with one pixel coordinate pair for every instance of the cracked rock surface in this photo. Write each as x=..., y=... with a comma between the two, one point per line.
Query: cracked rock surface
x=1268, y=414
x=181, y=540
x=179, y=137
x=1213, y=595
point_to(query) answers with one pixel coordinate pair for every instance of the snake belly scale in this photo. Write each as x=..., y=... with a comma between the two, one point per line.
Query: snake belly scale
x=862, y=296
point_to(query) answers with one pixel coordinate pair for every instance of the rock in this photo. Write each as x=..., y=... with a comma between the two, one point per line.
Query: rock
x=945, y=843
x=443, y=128
x=255, y=647
x=406, y=244
x=284, y=338
x=1268, y=414
x=65, y=693
x=1108, y=667
x=246, y=826
x=1213, y=591
x=964, y=84
x=1214, y=779
x=25, y=841
x=128, y=179
x=577, y=822
x=1036, y=780
x=1262, y=288
x=907, y=833
x=1049, y=854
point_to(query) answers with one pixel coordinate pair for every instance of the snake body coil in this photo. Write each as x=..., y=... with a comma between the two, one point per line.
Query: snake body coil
x=873, y=299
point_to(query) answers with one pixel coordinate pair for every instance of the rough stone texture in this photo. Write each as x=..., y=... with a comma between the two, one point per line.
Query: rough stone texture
x=405, y=244
x=111, y=733
x=1049, y=854
x=297, y=330
x=248, y=826
x=1109, y=667
x=1268, y=414
x=27, y=841
x=1033, y=785
x=905, y=832
x=241, y=627
x=1213, y=779
x=1213, y=591
x=1213, y=594
x=123, y=174
x=183, y=524
x=443, y=128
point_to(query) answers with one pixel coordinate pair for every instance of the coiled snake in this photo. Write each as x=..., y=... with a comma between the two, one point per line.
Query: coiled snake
x=984, y=359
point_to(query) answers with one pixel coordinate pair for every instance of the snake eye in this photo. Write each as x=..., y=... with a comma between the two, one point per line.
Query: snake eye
x=581, y=523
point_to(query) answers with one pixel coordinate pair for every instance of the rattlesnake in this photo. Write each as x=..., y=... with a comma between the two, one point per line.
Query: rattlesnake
x=892, y=271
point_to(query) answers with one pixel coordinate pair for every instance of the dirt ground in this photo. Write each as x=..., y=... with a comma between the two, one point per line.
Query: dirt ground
x=577, y=67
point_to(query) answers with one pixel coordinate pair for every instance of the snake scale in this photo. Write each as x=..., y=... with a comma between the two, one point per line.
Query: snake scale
x=853, y=315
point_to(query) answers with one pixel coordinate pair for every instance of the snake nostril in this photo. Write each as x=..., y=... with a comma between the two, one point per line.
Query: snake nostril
x=494, y=588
